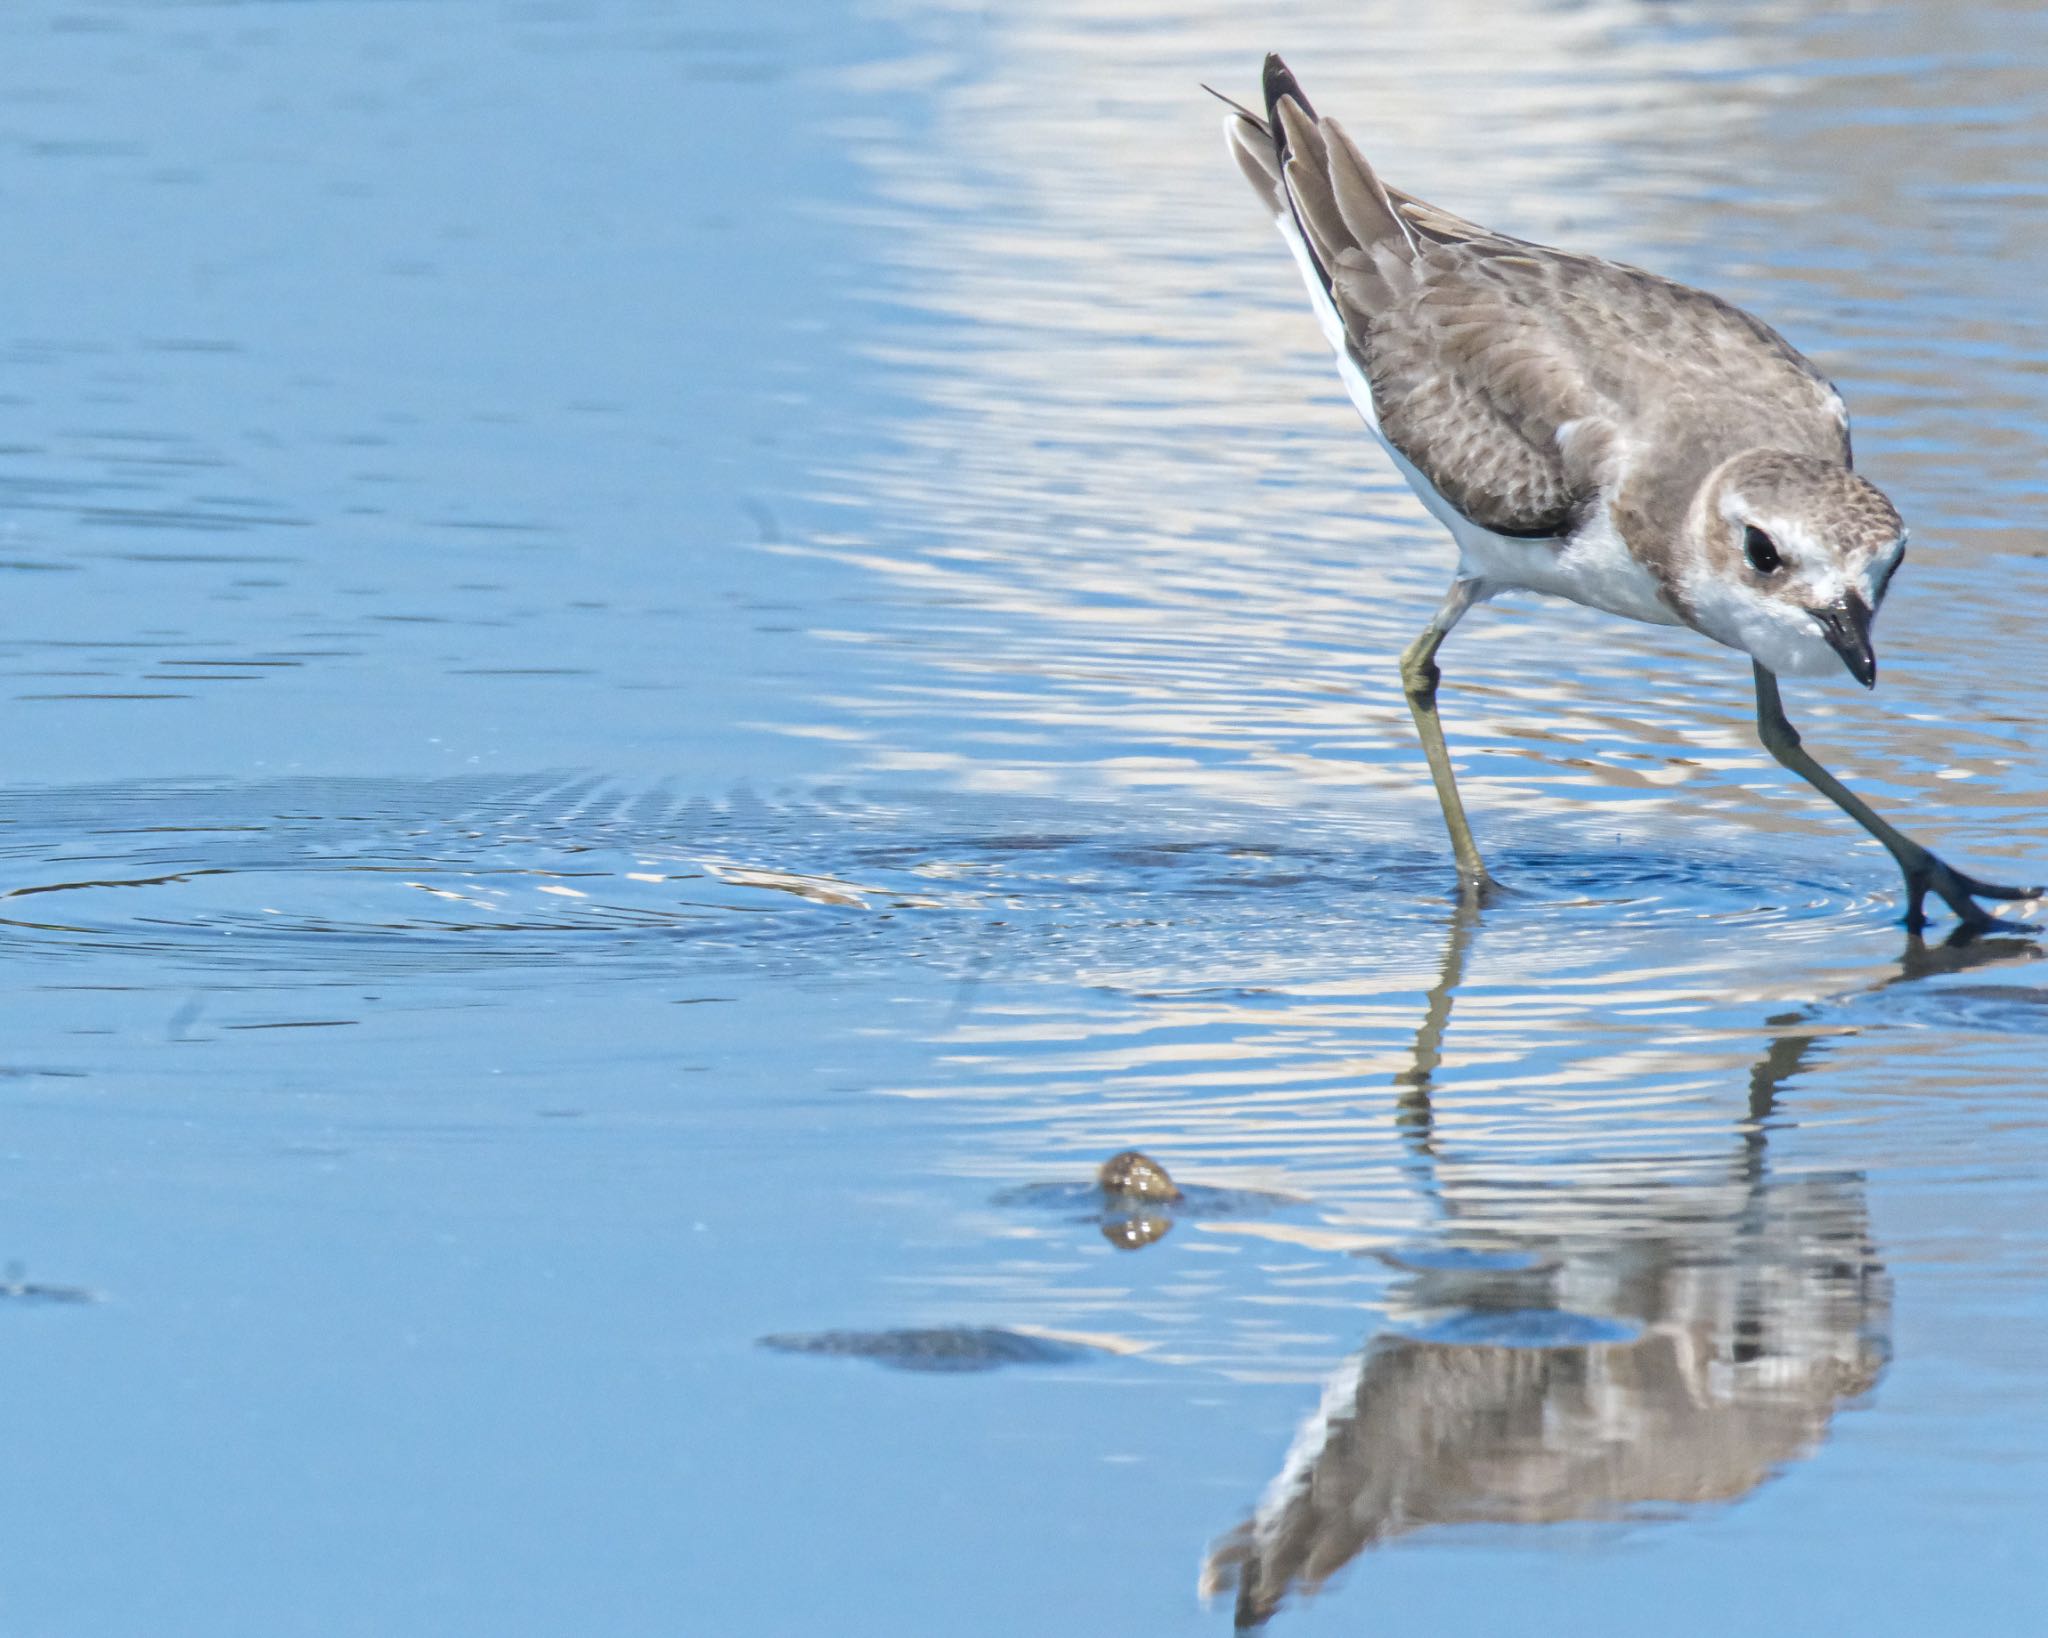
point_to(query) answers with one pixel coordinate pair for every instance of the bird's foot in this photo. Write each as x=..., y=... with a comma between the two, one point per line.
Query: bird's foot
x=1478, y=888
x=1961, y=893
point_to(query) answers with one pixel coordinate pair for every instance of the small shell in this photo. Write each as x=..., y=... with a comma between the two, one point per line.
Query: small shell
x=1131, y=1175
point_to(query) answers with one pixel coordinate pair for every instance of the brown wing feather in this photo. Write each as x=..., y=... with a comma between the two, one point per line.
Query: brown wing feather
x=1501, y=349
x=1500, y=369
x=1426, y=342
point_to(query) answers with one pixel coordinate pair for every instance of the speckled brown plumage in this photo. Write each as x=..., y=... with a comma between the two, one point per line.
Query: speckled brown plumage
x=1482, y=349
x=1591, y=431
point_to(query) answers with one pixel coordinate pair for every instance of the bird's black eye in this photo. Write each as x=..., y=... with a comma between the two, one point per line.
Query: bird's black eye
x=1761, y=550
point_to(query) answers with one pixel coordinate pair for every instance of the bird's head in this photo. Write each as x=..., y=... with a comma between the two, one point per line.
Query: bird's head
x=1790, y=558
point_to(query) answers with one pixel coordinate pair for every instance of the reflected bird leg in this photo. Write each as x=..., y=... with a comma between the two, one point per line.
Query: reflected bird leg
x=1415, y=1116
x=1922, y=870
x=1419, y=677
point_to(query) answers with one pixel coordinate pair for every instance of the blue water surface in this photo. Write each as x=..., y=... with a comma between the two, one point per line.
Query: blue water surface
x=668, y=663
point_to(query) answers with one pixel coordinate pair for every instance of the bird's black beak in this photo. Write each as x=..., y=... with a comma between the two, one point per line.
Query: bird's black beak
x=1846, y=626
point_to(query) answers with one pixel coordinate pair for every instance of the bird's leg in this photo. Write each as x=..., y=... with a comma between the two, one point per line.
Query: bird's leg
x=1922, y=870
x=1419, y=677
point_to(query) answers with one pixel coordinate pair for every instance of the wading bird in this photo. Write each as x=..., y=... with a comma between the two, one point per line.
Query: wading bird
x=1598, y=433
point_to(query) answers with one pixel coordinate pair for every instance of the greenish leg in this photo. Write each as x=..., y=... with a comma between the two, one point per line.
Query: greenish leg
x=1922, y=870
x=1419, y=677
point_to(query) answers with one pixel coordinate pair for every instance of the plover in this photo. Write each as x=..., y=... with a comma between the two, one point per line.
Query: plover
x=1595, y=432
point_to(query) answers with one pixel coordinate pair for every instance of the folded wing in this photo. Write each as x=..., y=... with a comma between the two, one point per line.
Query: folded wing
x=1500, y=369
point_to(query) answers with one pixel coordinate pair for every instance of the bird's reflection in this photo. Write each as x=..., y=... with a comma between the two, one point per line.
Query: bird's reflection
x=1615, y=1341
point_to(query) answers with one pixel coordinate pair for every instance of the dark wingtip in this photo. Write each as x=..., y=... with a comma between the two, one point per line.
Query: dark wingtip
x=1280, y=82
x=1234, y=105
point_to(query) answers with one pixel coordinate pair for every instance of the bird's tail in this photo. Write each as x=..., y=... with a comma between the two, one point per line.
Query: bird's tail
x=1311, y=175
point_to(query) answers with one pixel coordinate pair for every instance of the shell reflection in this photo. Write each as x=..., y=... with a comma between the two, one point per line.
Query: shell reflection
x=1135, y=1202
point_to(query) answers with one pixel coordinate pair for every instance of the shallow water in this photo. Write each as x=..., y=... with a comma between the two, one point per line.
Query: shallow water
x=670, y=663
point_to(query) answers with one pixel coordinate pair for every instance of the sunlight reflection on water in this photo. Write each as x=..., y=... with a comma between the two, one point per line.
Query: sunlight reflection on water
x=887, y=448
x=1152, y=548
